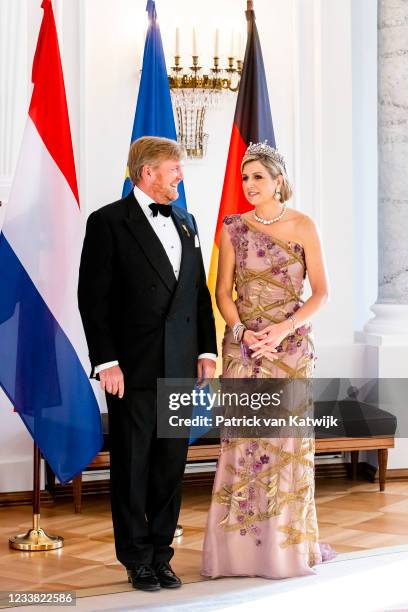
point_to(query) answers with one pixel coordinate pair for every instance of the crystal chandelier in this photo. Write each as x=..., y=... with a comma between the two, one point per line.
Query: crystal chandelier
x=193, y=92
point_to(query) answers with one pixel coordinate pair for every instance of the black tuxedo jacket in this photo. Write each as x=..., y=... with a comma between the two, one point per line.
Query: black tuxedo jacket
x=132, y=307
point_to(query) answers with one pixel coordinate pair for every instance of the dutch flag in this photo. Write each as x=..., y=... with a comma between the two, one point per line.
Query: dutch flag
x=43, y=356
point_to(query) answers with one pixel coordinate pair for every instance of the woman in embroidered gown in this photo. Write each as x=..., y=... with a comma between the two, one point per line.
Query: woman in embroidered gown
x=262, y=519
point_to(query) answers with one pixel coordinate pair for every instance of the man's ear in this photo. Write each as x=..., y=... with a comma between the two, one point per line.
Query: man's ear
x=146, y=172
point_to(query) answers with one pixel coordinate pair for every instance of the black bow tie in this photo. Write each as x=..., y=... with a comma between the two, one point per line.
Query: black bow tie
x=163, y=209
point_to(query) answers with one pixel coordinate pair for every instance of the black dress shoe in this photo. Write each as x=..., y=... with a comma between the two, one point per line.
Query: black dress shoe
x=166, y=576
x=144, y=578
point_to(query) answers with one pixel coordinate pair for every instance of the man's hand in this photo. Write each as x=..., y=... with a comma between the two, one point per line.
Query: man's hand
x=112, y=381
x=205, y=371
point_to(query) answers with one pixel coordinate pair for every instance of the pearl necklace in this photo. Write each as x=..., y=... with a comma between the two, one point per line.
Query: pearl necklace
x=270, y=221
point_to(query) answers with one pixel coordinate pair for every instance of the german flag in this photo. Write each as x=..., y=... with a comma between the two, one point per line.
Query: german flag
x=252, y=123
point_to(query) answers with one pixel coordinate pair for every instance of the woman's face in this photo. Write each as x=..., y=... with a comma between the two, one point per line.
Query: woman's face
x=258, y=185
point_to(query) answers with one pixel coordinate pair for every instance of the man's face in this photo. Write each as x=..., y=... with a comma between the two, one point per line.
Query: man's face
x=164, y=180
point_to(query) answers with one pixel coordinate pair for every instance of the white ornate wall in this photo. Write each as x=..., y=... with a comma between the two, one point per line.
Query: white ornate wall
x=320, y=59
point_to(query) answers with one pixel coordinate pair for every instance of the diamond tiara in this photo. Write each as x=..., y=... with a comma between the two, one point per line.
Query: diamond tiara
x=264, y=150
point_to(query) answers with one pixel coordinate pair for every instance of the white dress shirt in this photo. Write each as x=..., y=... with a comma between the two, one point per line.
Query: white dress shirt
x=164, y=229
x=168, y=235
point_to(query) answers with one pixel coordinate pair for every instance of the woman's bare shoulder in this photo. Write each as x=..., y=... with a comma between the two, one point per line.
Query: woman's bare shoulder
x=302, y=221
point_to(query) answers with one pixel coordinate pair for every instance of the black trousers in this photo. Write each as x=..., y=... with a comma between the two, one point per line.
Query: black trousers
x=145, y=475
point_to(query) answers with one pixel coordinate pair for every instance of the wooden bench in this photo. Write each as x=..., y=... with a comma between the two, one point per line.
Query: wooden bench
x=209, y=452
x=381, y=444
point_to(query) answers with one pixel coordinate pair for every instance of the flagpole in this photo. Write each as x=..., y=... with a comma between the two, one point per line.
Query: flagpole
x=36, y=538
x=51, y=187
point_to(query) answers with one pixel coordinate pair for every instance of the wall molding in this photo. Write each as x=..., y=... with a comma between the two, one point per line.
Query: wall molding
x=13, y=82
x=307, y=104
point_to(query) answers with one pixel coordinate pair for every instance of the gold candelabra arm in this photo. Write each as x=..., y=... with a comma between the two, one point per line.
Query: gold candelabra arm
x=230, y=73
x=176, y=76
x=216, y=72
x=233, y=89
x=230, y=69
x=195, y=80
x=195, y=67
x=177, y=67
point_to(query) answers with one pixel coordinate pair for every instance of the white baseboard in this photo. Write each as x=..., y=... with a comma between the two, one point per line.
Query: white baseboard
x=17, y=474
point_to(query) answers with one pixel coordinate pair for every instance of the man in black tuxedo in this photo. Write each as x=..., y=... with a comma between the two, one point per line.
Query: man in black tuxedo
x=147, y=314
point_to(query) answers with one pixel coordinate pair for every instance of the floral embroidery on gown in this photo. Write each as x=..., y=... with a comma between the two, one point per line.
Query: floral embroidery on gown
x=262, y=518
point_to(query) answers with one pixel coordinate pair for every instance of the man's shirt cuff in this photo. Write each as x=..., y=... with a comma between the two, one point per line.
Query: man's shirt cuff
x=104, y=366
x=212, y=356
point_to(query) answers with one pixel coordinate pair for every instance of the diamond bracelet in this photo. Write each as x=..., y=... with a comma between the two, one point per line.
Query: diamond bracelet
x=238, y=331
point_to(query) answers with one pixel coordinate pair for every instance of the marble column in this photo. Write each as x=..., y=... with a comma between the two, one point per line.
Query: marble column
x=391, y=308
x=386, y=334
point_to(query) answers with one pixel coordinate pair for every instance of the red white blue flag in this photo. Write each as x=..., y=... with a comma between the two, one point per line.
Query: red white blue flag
x=43, y=356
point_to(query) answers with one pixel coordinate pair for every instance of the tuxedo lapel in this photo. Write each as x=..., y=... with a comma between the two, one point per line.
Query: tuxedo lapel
x=186, y=232
x=145, y=235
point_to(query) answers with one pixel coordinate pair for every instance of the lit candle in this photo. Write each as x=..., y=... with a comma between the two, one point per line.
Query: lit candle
x=195, y=52
x=217, y=43
x=231, y=53
x=177, y=51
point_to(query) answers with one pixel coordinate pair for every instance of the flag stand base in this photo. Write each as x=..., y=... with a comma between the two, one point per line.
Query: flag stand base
x=179, y=531
x=36, y=539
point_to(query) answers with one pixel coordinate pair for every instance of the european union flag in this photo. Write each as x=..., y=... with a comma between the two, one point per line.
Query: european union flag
x=154, y=112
